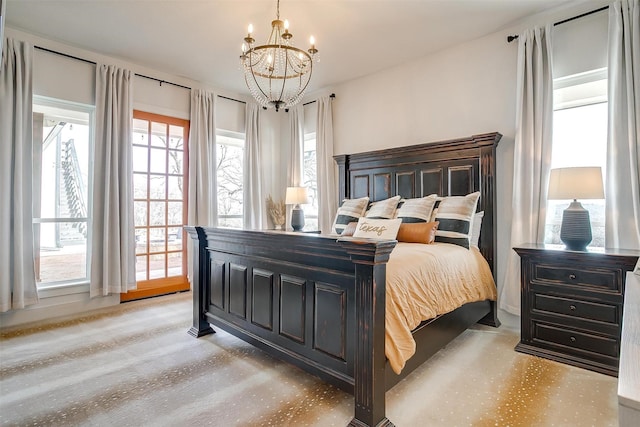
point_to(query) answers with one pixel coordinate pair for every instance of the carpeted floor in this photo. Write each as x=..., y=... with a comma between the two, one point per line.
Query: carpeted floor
x=136, y=365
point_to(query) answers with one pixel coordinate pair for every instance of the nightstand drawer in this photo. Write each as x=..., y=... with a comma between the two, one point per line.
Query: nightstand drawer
x=607, y=280
x=579, y=342
x=608, y=313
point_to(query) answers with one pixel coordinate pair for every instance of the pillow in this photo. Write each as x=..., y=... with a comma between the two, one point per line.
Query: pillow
x=350, y=211
x=475, y=228
x=349, y=229
x=382, y=229
x=417, y=232
x=417, y=210
x=455, y=215
x=383, y=208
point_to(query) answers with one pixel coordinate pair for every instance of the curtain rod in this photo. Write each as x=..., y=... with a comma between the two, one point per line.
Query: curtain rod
x=139, y=75
x=333, y=95
x=515, y=37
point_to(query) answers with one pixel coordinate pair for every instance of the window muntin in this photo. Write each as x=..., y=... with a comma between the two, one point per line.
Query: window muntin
x=159, y=156
x=63, y=144
x=579, y=139
x=229, y=170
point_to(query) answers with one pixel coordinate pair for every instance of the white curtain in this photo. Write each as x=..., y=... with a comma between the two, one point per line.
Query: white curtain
x=326, y=166
x=622, y=229
x=112, y=232
x=203, y=201
x=532, y=153
x=17, y=271
x=294, y=170
x=254, y=206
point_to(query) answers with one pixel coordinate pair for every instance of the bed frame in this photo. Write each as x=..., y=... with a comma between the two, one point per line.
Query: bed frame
x=319, y=302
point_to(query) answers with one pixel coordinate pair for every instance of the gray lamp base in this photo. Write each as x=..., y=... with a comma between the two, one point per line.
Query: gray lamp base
x=575, y=232
x=297, y=218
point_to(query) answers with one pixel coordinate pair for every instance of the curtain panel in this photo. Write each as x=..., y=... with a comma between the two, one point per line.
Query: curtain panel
x=532, y=153
x=112, y=232
x=17, y=270
x=326, y=166
x=202, y=206
x=254, y=211
x=622, y=194
x=295, y=176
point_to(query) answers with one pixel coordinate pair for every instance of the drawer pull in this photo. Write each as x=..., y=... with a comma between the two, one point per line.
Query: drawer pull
x=572, y=276
x=572, y=339
x=572, y=307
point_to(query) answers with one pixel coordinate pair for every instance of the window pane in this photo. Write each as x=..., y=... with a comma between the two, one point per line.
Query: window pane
x=140, y=213
x=579, y=139
x=158, y=160
x=140, y=163
x=176, y=134
x=141, y=267
x=61, y=168
x=229, y=174
x=175, y=162
x=156, y=213
x=175, y=213
x=174, y=238
x=139, y=186
x=158, y=134
x=175, y=188
x=141, y=241
x=61, y=249
x=157, y=188
x=157, y=242
x=175, y=263
x=140, y=129
x=157, y=266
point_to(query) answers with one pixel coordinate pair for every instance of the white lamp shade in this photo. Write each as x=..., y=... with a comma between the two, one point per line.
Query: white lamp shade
x=576, y=183
x=296, y=196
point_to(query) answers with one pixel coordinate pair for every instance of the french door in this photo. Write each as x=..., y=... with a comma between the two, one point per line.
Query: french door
x=160, y=176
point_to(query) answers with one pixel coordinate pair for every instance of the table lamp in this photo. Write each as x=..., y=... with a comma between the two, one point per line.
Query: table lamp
x=296, y=196
x=576, y=183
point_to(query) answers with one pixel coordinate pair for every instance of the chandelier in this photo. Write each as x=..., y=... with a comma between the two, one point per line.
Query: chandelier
x=277, y=73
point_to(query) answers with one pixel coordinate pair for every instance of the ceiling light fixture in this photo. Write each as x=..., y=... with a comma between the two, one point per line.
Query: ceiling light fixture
x=277, y=73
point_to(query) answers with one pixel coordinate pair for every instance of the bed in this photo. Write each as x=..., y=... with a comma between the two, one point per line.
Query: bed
x=317, y=301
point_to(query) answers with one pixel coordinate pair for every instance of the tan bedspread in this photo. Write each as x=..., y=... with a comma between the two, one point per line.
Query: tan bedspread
x=424, y=281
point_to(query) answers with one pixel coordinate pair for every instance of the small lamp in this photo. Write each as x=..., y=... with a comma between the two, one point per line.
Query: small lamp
x=576, y=183
x=296, y=196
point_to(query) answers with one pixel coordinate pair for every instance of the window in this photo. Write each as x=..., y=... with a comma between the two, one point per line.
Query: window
x=579, y=139
x=310, y=180
x=160, y=193
x=63, y=141
x=230, y=158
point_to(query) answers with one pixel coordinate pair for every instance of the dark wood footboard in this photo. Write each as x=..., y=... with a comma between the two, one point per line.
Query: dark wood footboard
x=311, y=300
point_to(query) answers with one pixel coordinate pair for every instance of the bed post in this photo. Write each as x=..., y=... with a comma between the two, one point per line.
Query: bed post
x=199, y=257
x=370, y=258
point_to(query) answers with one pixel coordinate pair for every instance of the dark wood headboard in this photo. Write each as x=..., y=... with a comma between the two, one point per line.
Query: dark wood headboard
x=449, y=168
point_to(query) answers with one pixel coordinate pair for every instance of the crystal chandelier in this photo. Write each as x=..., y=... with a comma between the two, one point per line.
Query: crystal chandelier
x=277, y=73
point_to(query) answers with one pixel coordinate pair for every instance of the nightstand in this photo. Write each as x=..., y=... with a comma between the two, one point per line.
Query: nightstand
x=572, y=304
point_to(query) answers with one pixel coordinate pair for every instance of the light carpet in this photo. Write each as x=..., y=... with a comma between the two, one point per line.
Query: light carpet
x=135, y=365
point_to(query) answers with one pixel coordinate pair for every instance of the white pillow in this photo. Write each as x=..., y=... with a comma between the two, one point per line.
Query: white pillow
x=417, y=210
x=455, y=215
x=350, y=211
x=384, y=208
x=475, y=228
x=380, y=229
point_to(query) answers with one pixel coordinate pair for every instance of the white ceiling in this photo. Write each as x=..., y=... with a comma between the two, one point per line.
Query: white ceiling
x=201, y=39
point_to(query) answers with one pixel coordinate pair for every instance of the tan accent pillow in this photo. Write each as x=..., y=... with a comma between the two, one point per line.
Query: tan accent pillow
x=417, y=232
x=349, y=229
